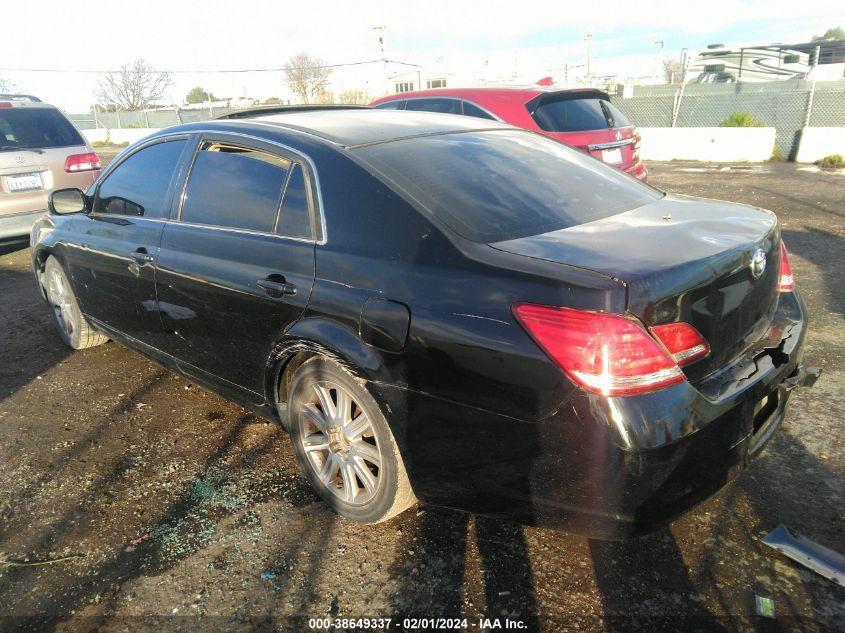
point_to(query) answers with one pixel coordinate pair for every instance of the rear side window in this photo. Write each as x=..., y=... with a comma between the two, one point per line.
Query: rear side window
x=444, y=106
x=139, y=185
x=235, y=187
x=470, y=109
x=497, y=185
x=295, y=217
x=390, y=105
x=36, y=128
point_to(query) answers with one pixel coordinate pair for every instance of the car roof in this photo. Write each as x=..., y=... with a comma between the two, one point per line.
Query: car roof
x=353, y=127
x=23, y=101
x=483, y=93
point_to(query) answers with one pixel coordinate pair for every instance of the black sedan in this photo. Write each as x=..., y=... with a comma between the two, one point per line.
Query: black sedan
x=443, y=309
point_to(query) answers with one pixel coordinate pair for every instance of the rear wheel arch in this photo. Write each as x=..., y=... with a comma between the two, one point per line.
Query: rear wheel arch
x=317, y=336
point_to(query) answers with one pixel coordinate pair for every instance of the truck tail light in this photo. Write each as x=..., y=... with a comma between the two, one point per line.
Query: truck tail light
x=605, y=353
x=82, y=162
x=786, y=282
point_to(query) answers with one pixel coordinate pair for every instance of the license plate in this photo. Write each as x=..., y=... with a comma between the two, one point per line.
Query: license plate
x=26, y=182
x=612, y=156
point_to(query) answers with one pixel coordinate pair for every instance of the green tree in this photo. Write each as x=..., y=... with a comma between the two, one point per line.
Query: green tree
x=198, y=94
x=834, y=33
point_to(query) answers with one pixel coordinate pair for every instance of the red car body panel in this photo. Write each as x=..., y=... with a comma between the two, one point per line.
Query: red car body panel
x=509, y=104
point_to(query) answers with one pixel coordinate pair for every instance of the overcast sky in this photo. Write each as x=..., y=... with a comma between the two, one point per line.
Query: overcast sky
x=211, y=35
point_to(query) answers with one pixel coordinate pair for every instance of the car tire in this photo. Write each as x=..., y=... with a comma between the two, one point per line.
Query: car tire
x=73, y=327
x=344, y=444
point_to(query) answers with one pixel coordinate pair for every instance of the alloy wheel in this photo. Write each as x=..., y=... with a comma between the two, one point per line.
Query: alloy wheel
x=340, y=443
x=61, y=300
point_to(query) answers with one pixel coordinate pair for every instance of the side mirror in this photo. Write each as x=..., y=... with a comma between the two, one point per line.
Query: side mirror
x=66, y=201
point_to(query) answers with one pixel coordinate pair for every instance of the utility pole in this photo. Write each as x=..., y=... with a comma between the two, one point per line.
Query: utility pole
x=381, y=30
x=589, y=56
x=659, y=58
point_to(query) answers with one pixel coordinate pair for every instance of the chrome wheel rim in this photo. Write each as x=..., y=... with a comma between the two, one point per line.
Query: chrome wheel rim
x=61, y=300
x=339, y=441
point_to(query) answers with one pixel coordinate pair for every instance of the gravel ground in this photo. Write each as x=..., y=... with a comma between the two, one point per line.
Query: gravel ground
x=178, y=510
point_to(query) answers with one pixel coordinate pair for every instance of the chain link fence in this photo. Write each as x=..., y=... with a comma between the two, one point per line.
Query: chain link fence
x=145, y=118
x=786, y=106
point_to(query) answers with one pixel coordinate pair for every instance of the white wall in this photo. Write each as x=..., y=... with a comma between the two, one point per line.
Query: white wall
x=119, y=136
x=717, y=144
x=818, y=142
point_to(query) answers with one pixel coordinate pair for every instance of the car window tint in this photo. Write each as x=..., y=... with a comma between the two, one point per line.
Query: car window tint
x=234, y=187
x=444, y=106
x=497, y=185
x=614, y=115
x=570, y=115
x=470, y=109
x=35, y=128
x=390, y=105
x=139, y=184
x=295, y=218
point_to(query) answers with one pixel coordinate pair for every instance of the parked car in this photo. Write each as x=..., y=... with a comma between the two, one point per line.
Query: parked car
x=40, y=150
x=441, y=308
x=583, y=118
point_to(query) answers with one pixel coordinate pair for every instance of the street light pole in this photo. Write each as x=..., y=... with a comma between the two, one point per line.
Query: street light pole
x=381, y=30
x=660, y=55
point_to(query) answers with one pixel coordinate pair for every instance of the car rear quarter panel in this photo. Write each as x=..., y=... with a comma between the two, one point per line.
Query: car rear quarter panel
x=463, y=343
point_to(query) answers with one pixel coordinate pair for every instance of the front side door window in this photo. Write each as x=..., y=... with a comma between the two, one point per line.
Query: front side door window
x=122, y=237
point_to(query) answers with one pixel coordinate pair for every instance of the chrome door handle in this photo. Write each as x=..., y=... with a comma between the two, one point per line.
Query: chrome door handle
x=276, y=288
x=141, y=256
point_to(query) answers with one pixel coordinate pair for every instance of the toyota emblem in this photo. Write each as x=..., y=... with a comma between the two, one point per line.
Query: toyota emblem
x=758, y=263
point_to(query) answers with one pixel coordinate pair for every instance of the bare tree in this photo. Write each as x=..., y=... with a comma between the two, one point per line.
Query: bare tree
x=307, y=76
x=354, y=97
x=133, y=87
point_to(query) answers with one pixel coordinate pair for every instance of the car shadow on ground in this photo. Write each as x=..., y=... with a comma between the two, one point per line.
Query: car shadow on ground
x=816, y=245
x=763, y=487
x=435, y=551
x=28, y=337
x=63, y=594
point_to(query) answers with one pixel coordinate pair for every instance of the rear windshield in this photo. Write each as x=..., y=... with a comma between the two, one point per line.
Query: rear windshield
x=497, y=185
x=576, y=114
x=36, y=128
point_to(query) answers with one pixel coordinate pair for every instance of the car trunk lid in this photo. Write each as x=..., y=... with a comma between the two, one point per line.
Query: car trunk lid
x=682, y=259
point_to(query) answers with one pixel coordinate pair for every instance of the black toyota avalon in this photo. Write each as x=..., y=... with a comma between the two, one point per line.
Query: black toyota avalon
x=442, y=309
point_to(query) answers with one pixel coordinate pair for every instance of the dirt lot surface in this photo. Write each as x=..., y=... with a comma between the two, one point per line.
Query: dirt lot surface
x=169, y=508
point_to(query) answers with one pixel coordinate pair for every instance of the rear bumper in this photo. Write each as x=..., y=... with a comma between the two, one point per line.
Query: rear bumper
x=638, y=170
x=18, y=224
x=608, y=468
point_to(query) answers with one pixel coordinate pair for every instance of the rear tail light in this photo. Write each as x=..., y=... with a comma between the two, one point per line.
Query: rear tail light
x=786, y=282
x=606, y=353
x=82, y=162
x=683, y=342
x=5, y=104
